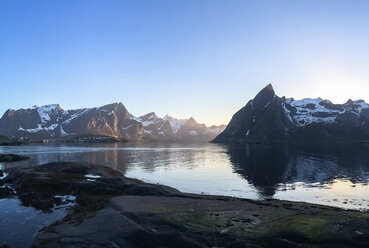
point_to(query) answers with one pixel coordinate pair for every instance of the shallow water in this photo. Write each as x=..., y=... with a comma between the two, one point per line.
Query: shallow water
x=331, y=175
x=19, y=224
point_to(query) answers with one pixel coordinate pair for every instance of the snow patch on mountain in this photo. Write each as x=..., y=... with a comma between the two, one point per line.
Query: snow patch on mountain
x=316, y=110
x=175, y=124
x=34, y=130
x=147, y=120
x=360, y=105
x=76, y=115
x=45, y=111
x=144, y=123
x=39, y=128
x=62, y=132
x=52, y=127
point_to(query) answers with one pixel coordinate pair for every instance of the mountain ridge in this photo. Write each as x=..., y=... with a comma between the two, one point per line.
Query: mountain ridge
x=53, y=122
x=270, y=118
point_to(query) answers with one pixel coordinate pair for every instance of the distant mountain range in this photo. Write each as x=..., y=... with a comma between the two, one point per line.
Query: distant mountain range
x=266, y=118
x=113, y=120
x=269, y=118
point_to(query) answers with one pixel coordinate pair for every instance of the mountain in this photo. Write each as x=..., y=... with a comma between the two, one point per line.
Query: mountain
x=172, y=129
x=270, y=118
x=112, y=120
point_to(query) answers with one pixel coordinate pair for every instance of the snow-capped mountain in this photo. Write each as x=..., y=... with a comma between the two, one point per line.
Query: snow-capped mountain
x=269, y=118
x=170, y=128
x=155, y=127
x=52, y=122
x=175, y=124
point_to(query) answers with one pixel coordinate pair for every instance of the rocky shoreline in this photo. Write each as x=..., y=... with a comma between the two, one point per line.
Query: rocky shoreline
x=111, y=210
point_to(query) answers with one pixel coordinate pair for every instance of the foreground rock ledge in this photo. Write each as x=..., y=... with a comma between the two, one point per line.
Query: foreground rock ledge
x=114, y=211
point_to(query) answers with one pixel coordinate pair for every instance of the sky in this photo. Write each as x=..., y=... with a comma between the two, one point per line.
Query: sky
x=200, y=58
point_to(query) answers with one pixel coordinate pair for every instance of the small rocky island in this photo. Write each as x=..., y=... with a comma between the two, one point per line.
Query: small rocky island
x=12, y=157
x=110, y=210
x=5, y=141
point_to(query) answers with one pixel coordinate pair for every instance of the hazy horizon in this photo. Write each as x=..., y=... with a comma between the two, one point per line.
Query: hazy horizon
x=203, y=59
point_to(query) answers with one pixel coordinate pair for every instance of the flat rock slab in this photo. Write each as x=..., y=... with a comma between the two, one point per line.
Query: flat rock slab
x=197, y=221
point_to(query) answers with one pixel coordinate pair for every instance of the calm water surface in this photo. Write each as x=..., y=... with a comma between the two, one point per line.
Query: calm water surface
x=330, y=175
x=19, y=224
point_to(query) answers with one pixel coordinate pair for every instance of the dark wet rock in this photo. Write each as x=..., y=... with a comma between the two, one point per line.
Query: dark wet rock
x=149, y=189
x=361, y=239
x=288, y=239
x=6, y=192
x=12, y=157
x=37, y=186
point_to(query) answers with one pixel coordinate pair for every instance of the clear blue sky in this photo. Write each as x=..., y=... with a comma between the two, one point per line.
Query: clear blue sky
x=200, y=58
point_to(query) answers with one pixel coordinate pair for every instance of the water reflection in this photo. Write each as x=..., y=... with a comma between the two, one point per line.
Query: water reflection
x=331, y=174
x=327, y=174
x=20, y=224
x=262, y=166
x=267, y=167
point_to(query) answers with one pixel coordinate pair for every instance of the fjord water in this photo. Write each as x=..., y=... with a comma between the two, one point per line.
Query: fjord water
x=335, y=175
x=20, y=224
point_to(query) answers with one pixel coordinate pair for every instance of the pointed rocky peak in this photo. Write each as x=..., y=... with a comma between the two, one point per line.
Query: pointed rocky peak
x=10, y=112
x=115, y=108
x=118, y=106
x=267, y=91
x=269, y=87
x=263, y=98
x=149, y=116
x=191, y=121
x=109, y=107
x=167, y=117
x=349, y=101
x=359, y=105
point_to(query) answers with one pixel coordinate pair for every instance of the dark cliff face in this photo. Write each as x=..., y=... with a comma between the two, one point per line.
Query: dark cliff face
x=269, y=118
x=52, y=122
x=262, y=119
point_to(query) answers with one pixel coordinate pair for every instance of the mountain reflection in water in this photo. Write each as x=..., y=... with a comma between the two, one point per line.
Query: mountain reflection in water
x=270, y=168
x=326, y=174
